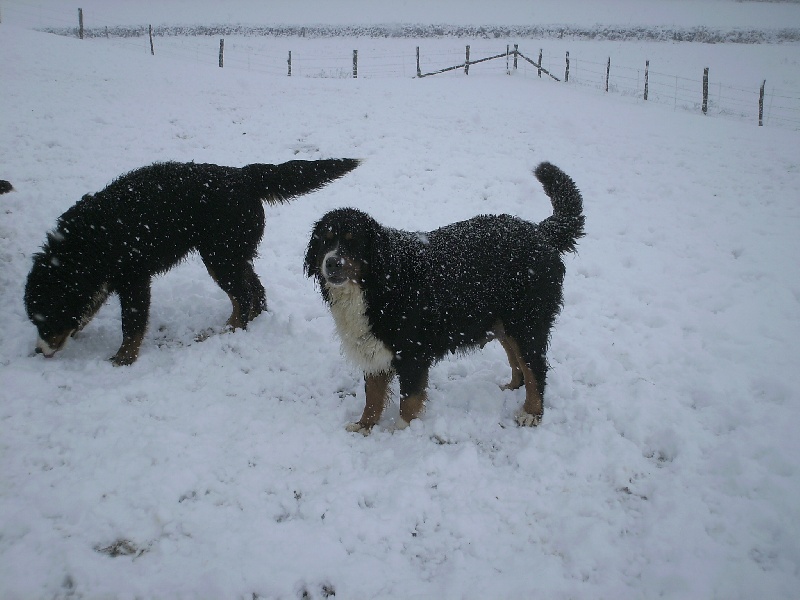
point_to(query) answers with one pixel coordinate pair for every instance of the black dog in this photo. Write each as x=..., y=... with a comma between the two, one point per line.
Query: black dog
x=5, y=186
x=402, y=300
x=146, y=222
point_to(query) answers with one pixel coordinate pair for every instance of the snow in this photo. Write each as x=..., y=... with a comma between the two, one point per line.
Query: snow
x=666, y=464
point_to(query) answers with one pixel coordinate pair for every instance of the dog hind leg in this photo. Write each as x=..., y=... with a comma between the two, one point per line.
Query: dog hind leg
x=237, y=280
x=532, y=363
x=512, y=353
x=258, y=294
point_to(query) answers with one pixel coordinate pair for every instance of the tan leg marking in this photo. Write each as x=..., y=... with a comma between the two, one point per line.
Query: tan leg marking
x=235, y=320
x=376, y=389
x=532, y=410
x=514, y=361
x=128, y=352
x=517, y=377
x=411, y=407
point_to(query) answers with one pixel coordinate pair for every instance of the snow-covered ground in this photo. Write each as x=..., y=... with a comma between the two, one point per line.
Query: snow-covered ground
x=667, y=461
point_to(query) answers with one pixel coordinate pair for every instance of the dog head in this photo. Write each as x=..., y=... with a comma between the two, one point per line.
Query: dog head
x=341, y=248
x=58, y=300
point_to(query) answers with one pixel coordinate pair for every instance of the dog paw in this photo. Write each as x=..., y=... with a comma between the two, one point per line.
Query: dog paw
x=357, y=427
x=122, y=360
x=401, y=424
x=511, y=386
x=524, y=419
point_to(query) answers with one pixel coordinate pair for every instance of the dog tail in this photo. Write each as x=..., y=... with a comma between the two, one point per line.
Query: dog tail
x=565, y=226
x=280, y=183
x=5, y=186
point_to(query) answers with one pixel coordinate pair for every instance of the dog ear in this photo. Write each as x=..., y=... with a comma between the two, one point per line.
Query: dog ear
x=311, y=263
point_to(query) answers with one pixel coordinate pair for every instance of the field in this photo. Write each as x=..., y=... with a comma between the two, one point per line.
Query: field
x=666, y=462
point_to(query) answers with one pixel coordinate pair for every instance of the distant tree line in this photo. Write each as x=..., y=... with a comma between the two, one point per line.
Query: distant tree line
x=689, y=34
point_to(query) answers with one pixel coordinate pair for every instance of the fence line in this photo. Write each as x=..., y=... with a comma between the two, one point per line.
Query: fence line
x=778, y=107
x=765, y=105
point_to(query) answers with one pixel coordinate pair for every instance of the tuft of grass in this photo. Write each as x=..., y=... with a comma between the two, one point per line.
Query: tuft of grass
x=121, y=548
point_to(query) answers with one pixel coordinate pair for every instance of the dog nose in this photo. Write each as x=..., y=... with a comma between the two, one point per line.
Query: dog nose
x=333, y=263
x=38, y=350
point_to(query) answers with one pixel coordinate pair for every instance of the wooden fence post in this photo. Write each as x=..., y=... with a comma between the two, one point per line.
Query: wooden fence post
x=646, y=77
x=419, y=73
x=466, y=62
x=290, y=64
x=705, y=91
x=508, y=71
x=516, y=53
x=540, y=63
x=221, y=50
x=152, y=49
x=355, y=64
x=80, y=23
x=761, y=105
x=566, y=71
x=608, y=71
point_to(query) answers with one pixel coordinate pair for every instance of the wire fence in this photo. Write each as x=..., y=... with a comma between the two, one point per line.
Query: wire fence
x=321, y=58
x=780, y=107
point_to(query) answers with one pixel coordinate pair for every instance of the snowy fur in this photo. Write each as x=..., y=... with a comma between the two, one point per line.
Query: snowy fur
x=146, y=222
x=428, y=294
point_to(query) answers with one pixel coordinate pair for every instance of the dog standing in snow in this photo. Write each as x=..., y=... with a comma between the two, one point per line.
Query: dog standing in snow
x=146, y=222
x=403, y=300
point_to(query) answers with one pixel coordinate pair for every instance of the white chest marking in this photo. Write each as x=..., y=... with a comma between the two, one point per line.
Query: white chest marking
x=359, y=345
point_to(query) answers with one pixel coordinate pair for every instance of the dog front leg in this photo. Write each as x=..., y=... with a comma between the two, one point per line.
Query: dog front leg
x=97, y=302
x=413, y=393
x=376, y=390
x=135, y=302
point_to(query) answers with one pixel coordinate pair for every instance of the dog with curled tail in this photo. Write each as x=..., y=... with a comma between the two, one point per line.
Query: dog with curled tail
x=403, y=300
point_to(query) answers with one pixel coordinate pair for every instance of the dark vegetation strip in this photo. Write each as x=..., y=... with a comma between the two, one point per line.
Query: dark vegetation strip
x=691, y=34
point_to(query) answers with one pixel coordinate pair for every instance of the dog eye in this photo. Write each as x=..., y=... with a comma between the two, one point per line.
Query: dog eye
x=329, y=235
x=348, y=236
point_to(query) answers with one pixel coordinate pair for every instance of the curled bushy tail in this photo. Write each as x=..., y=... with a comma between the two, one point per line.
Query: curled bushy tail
x=565, y=226
x=279, y=183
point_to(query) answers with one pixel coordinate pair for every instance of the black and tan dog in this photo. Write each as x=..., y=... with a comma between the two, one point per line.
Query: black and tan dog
x=147, y=221
x=403, y=300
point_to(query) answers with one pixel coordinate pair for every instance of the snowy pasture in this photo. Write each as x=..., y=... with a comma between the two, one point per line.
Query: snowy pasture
x=666, y=464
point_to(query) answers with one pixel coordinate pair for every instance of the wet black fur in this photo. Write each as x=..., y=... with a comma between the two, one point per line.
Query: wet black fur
x=430, y=294
x=5, y=186
x=147, y=221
